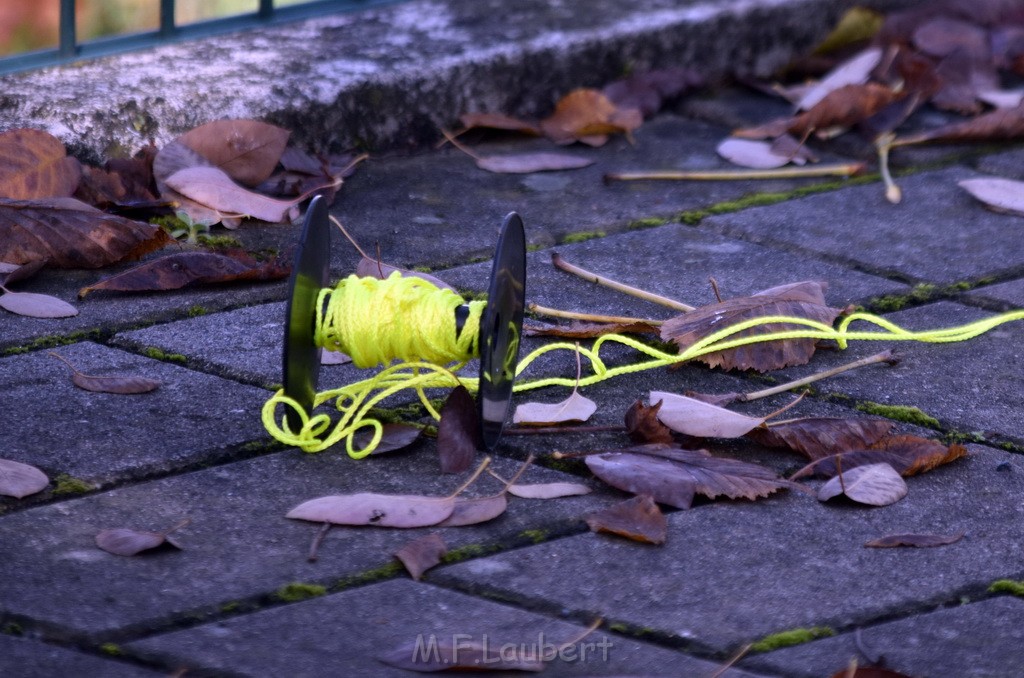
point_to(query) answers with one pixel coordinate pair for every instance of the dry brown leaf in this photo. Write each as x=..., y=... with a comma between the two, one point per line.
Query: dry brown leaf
x=638, y=519
x=34, y=164
x=873, y=484
x=12, y=273
x=914, y=540
x=420, y=555
x=498, y=121
x=673, y=476
x=458, y=432
x=588, y=116
x=818, y=437
x=841, y=108
x=945, y=35
x=802, y=300
x=908, y=454
x=527, y=163
x=643, y=426
x=393, y=437
x=647, y=91
x=121, y=385
x=247, y=150
x=1002, y=123
x=854, y=71
x=128, y=542
x=369, y=508
x=213, y=188
x=67, y=233
x=20, y=480
x=175, y=271
x=34, y=305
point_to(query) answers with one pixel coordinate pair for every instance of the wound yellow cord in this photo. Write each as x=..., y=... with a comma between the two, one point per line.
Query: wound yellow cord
x=411, y=320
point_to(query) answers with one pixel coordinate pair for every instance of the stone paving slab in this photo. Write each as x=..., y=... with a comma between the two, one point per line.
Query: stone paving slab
x=344, y=634
x=1008, y=295
x=239, y=547
x=1009, y=165
x=984, y=639
x=938, y=234
x=23, y=658
x=733, y=572
x=99, y=437
x=971, y=387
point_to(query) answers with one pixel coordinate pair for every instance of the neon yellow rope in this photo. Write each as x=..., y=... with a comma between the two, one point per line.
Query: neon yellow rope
x=409, y=319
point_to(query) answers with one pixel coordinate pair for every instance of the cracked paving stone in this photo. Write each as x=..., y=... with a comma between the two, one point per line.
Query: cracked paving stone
x=24, y=658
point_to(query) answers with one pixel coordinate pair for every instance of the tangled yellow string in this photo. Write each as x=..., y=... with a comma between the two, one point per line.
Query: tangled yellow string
x=405, y=318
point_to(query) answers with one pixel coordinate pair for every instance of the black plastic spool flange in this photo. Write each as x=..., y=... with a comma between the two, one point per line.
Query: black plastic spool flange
x=500, y=325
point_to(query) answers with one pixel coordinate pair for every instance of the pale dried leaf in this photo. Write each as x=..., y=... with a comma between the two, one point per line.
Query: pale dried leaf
x=329, y=357
x=126, y=542
x=125, y=385
x=20, y=480
x=214, y=188
x=751, y=153
x=369, y=508
x=698, y=418
x=574, y=408
x=526, y=163
x=915, y=540
x=1001, y=195
x=854, y=71
x=872, y=484
x=548, y=490
x=472, y=511
x=36, y=305
x=371, y=268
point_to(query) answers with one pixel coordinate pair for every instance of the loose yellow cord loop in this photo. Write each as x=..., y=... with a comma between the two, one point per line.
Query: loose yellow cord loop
x=413, y=321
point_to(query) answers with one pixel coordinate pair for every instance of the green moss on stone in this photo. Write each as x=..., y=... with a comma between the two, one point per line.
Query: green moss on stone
x=582, y=237
x=157, y=354
x=12, y=629
x=457, y=555
x=386, y=571
x=228, y=608
x=112, y=649
x=650, y=222
x=904, y=413
x=66, y=484
x=536, y=536
x=296, y=591
x=1010, y=586
x=218, y=242
x=792, y=637
x=196, y=311
x=53, y=341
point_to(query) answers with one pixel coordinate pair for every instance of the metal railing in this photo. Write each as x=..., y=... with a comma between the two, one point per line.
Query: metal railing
x=70, y=49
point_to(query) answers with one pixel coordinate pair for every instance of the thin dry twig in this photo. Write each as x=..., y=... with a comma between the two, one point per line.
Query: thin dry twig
x=564, y=265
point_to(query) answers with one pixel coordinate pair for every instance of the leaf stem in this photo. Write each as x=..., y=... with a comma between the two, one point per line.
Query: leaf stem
x=459, y=145
x=564, y=265
x=840, y=169
x=349, y=237
x=732, y=660
x=592, y=317
x=887, y=356
x=318, y=538
x=472, y=478
x=892, y=192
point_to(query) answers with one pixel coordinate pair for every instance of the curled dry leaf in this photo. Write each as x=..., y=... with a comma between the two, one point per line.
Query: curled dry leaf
x=1002, y=123
x=638, y=519
x=127, y=542
x=643, y=426
x=420, y=555
x=751, y=153
x=698, y=418
x=369, y=508
x=588, y=116
x=547, y=490
x=907, y=454
x=36, y=305
x=818, y=437
x=12, y=273
x=458, y=432
x=526, y=163
x=647, y=90
x=213, y=188
x=914, y=540
x=841, y=108
x=67, y=233
x=1000, y=195
x=20, y=480
x=122, y=385
x=802, y=300
x=34, y=164
x=872, y=484
x=584, y=330
x=175, y=271
x=574, y=408
x=247, y=150
x=393, y=437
